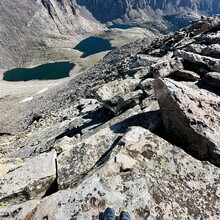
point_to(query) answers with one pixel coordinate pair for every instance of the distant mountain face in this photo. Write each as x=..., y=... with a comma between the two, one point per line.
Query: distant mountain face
x=128, y=10
x=31, y=29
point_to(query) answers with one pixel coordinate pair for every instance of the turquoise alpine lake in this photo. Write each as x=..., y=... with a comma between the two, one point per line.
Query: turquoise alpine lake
x=93, y=45
x=47, y=71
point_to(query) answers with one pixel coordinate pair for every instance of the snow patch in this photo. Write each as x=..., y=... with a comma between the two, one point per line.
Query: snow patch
x=42, y=90
x=26, y=100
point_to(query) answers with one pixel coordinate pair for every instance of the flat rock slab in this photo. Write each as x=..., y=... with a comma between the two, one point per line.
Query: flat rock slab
x=191, y=117
x=75, y=163
x=29, y=181
x=146, y=175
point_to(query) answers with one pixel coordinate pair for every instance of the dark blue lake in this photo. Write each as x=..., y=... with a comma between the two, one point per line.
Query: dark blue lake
x=124, y=26
x=93, y=45
x=47, y=71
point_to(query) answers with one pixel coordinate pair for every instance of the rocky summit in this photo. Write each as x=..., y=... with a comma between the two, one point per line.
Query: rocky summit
x=137, y=131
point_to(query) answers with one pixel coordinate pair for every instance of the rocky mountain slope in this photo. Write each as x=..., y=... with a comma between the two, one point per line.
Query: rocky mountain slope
x=129, y=10
x=138, y=131
x=33, y=30
x=37, y=31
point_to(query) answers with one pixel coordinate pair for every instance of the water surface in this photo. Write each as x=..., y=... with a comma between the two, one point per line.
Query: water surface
x=124, y=26
x=93, y=45
x=47, y=71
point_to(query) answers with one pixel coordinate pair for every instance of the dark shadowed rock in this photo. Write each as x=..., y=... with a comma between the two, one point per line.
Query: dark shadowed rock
x=187, y=75
x=212, y=50
x=212, y=78
x=210, y=38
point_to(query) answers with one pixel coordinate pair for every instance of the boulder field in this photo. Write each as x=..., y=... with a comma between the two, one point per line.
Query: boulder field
x=138, y=131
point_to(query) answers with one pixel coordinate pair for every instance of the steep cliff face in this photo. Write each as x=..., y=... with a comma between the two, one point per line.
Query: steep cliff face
x=30, y=28
x=129, y=10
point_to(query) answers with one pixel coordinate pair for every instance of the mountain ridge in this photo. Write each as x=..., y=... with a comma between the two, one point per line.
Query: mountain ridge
x=130, y=10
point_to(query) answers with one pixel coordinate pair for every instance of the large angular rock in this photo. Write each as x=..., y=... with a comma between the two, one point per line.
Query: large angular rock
x=209, y=62
x=191, y=117
x=146, y=175
x=75, y=163
x=147, y=86
x=79, y=157
x=29, y=181
x=164, y=68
